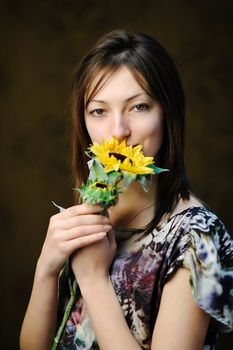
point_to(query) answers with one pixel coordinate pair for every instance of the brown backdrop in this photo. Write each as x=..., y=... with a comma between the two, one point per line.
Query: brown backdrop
x=41, y=42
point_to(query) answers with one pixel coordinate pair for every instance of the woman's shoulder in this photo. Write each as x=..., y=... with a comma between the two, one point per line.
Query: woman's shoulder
x=197, y=224
x=199, y=231
x=187, y=204
x=196, y=215
x=202, y=244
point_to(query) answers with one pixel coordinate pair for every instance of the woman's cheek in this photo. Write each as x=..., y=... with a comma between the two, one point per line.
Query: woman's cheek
x=153, y=140
x=97, y=134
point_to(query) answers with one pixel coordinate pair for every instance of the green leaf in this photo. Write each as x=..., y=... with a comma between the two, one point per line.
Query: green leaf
x=128, y=178
x=113, y=177
x=96, y=171
x=144, y=181
x=156, y=169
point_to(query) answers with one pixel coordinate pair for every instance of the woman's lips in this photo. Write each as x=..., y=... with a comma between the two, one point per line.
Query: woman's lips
x=134, y=145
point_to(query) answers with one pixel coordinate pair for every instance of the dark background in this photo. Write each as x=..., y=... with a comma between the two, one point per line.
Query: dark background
x=41, y=42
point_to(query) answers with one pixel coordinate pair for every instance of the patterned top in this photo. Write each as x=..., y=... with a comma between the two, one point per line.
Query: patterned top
x=195, y=239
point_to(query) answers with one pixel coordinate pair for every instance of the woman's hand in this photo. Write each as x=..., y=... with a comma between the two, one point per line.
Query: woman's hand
x=91, y=264
x=73, y=228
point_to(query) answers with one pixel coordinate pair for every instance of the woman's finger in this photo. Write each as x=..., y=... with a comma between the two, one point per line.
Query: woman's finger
x=80, y=231
x=82, y=220
x=80, y=209
x=83, y=241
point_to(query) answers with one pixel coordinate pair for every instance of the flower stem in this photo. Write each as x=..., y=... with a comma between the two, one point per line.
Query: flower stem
x=73, y=290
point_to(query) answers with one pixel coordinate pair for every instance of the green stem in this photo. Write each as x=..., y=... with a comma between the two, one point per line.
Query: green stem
x=73, y=290
x=104, y=212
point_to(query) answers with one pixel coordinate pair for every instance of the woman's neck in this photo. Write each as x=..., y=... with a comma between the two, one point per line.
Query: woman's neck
x=135, y=206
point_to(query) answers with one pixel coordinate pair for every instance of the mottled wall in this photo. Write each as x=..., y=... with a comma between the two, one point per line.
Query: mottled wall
x=41, y=42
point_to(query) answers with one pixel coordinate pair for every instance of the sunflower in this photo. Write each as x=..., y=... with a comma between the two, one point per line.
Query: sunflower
x=117, y=156
x=98, y=192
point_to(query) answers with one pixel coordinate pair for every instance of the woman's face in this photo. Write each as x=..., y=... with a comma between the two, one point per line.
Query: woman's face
x=122, y=109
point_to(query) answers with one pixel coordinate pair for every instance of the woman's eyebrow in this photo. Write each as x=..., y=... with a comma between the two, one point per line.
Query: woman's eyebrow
x=128, y=99
x=134, y=96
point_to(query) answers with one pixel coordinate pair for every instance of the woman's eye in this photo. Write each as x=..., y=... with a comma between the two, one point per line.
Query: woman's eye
x=98, y=112
x=141, y=107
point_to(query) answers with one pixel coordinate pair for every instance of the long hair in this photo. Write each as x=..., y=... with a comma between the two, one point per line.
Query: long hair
x=156, y=73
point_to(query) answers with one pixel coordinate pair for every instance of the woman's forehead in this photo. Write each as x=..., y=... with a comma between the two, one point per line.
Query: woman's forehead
x=101, y=78
x=97, y=80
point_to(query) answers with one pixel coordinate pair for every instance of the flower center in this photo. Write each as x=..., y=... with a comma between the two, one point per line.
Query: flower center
x=120, y=157
x=100, y=185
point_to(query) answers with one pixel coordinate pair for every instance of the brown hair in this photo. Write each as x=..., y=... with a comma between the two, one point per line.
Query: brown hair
x=150, y=63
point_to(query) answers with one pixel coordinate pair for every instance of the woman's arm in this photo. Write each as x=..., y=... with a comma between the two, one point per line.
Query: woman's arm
x=91, y=269
x=107, y=318
x=68, y=231
x=181, y=324
x=40, y=320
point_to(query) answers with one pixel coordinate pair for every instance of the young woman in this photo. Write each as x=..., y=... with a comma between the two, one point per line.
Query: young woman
x=158, y=272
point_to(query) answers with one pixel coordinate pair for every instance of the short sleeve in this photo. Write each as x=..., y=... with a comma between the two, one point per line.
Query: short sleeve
x=205, y=248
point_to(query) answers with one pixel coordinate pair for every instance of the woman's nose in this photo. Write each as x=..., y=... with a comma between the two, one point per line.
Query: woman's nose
x=120, y=128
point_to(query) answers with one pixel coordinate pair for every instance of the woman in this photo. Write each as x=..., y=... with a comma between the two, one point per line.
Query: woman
x=157, y=273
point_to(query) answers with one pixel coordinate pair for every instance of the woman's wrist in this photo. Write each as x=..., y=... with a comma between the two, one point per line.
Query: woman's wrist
x=94, y=286
x=44, y=273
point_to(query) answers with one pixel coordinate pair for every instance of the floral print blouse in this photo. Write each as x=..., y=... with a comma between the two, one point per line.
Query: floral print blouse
x=195, y=239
